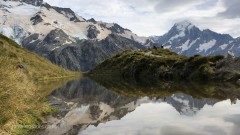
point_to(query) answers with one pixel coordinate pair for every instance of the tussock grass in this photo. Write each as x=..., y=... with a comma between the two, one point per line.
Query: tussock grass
x=22, y=99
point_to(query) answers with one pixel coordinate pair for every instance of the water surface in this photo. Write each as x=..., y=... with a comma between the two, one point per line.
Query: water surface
x=88, y=108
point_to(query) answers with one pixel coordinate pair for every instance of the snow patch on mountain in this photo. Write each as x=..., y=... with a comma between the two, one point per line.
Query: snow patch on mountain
x=181, y=34
x=185, y=46
x=224, y=46
x=167, y=47
x=206, y=46
x=15, y=32
x=130, y=35
x=194, y=42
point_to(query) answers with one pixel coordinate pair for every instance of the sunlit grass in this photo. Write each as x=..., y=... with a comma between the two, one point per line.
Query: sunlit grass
x=22, y=99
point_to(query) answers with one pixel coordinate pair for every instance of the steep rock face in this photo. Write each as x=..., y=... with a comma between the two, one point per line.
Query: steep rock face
x=114, y=44
x=67, y=12
x=83, y=56
x=33, y=2
x=92, y=32
x=185, y=38
x=117, y=29
x=76, y=54
x=55, y=39
x=36, y=19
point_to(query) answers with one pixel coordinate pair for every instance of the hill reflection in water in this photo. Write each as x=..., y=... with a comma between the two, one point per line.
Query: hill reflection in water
x=120, y=107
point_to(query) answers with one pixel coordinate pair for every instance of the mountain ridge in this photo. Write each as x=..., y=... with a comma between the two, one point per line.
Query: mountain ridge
x=186, y=38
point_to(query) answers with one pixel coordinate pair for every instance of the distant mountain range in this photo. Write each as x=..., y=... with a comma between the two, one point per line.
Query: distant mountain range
x=185, y=38
x=76, y=43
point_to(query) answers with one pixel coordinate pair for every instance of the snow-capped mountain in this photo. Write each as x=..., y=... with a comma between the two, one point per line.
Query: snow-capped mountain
x=34, y=16
x=62, y=36
x=185, y=38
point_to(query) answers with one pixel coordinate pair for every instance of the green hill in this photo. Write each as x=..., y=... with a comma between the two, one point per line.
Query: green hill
x=162, y=64
x=21, y=92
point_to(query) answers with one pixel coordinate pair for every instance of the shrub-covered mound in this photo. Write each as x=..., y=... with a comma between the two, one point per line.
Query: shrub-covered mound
x=162, y=64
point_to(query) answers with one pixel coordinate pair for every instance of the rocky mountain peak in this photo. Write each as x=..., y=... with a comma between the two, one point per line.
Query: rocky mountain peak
x=92, y=20
x=181, y=30
x=185, y=38
x=183, y=25
x=67, y=12
x=56, y=36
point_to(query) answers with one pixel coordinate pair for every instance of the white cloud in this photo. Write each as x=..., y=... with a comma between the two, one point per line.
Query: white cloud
x=232, y=9
x=155, y=17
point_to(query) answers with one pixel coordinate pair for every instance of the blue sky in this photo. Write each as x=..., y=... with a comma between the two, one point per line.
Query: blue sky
x=156, y=17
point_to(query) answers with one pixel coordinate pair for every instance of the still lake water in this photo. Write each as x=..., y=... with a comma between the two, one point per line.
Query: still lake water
x=88, y=108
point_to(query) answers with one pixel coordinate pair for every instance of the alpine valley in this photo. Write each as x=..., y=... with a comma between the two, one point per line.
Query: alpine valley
x=73, y=42
x=63, y=74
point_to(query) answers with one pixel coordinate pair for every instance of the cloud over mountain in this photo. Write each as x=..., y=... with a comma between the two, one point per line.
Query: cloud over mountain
x=232, y=9
x=155, y=17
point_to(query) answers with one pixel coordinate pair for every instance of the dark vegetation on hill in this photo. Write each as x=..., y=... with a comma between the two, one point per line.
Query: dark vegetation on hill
x=22, y=95
x=162, y=64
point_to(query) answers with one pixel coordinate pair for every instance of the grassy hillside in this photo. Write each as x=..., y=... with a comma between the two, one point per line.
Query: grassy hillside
x=21, y=94
x=162, y=64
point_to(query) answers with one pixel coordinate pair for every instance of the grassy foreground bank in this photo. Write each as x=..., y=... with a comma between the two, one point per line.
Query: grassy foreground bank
x=22, y=95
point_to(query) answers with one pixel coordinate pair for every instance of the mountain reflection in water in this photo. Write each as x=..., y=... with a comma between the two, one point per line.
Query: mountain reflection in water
x=88, y=108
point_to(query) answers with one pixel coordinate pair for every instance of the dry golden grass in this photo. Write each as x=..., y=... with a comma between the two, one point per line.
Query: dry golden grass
x=22, y=99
